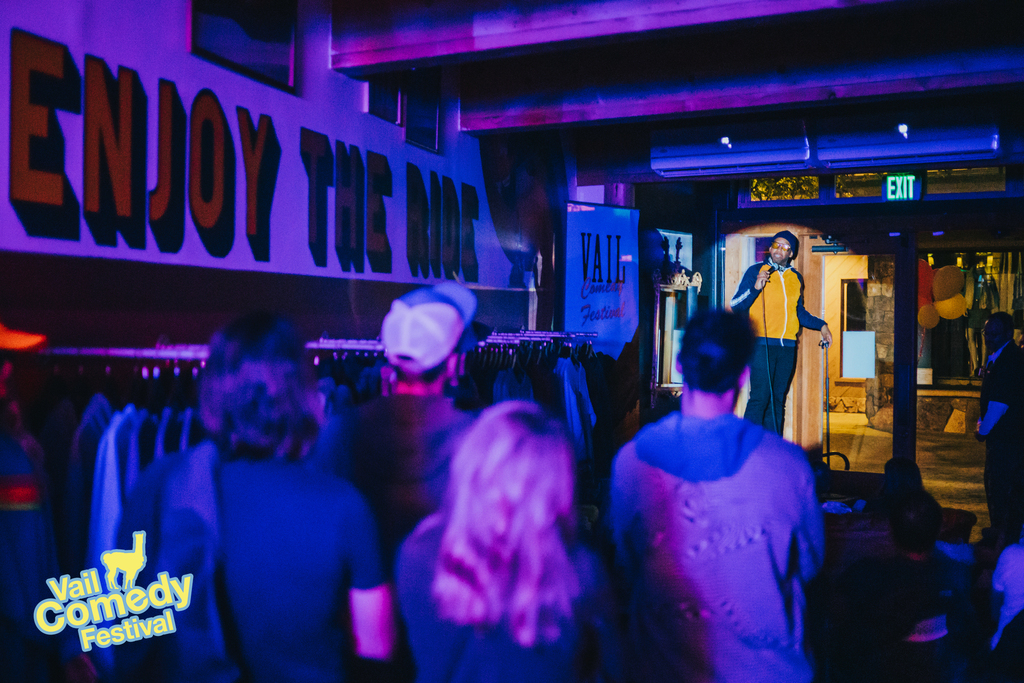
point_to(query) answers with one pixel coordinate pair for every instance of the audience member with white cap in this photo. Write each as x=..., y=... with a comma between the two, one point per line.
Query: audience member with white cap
x=399, y=445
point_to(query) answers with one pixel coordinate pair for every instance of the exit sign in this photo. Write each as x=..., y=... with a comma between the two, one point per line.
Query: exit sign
x=902, y=187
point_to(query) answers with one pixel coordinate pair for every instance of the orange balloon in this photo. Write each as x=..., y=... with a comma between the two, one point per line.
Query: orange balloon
x=952, y=308
x=928, y=317
x=948, y=281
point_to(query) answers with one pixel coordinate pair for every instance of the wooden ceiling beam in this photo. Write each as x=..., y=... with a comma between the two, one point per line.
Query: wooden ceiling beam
x=750, y=68
x=388, y=35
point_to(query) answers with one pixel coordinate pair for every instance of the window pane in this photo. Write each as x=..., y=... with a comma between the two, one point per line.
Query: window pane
x=256, y=38
x=954, y=348
x=958, y=180
x=790, y=188
x=854, y=185
x=384, y=92
x=854, y=306
x=422, y=103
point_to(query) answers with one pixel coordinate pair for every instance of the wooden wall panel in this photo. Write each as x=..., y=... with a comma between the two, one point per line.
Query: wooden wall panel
x=839, y=267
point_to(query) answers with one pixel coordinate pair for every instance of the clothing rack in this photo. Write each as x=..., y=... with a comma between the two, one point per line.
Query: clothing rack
x=327, y=344
x=495, y=338
x=200, y=352
x=505, y=350
x=183, y=352
x=537, y=336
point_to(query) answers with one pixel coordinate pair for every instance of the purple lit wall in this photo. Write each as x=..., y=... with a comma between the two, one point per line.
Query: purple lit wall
x=119, y=143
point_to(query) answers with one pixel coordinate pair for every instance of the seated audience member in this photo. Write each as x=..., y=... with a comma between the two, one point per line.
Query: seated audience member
x=287, y=577
x=717, y=528
x=902, y=476
x=493, y=587
x=908, y=617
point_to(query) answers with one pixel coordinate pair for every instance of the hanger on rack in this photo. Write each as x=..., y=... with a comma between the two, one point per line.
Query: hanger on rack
x=359, y=345
x=154, y=379
x=344, y=350
x=195, y=352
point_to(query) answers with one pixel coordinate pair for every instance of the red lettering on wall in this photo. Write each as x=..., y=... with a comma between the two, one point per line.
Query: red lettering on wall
x=114, y=155
x=350, y=209
x=261, y=155
x=167, y=200
x=470, y=213
x=378, y=248
x=211, y=175
x=30, y=55
x=43, y=78
x=417, y=221
x=434, y=238
x=196, y=162
x=319, y=162
x=436, y=229
x=451, y=225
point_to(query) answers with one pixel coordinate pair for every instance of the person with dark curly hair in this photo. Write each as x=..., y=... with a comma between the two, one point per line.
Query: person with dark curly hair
x=717, y=528
x=777, y=319
x=287, y=576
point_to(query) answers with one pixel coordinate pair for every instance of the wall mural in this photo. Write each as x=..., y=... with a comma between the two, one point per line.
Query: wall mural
x=148, y=153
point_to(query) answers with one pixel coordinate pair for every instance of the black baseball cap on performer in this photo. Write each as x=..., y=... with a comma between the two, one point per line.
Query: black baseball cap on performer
x=794, y=243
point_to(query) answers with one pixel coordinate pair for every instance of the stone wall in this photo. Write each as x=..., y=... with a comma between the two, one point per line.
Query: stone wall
x=953, y=414
x=880, y=318
x=846, y=404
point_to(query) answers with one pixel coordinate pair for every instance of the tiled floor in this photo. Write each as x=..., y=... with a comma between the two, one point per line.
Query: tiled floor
x=952, y=465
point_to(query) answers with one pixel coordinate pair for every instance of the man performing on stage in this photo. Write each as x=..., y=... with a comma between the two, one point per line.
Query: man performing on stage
x=777, y=320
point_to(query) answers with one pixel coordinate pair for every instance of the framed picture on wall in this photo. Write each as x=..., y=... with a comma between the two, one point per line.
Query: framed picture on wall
x=252, y=37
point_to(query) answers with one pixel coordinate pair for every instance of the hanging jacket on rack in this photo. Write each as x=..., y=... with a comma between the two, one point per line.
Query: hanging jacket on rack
x=579, y=413
x=105, y=510
x=78, y=491
x=600, y=399
x=512, y=385
x=57, y=439
x=159, y=449
x=113, y=465
x=27, y=560
x=177, y=503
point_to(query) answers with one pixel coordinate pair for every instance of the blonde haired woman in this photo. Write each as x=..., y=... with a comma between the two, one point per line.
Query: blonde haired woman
x=493, y=586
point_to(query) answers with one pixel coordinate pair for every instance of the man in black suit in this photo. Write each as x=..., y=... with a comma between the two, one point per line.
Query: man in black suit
x=1002, y=415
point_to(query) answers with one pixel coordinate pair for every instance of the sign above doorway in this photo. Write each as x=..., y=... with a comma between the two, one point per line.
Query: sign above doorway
x=902, y=187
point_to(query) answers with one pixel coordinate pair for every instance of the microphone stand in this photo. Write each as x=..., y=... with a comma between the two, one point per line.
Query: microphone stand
x=827, y=455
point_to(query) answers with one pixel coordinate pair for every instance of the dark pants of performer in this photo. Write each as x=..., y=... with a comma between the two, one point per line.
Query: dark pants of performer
x=770, y=377
x=1002, y=471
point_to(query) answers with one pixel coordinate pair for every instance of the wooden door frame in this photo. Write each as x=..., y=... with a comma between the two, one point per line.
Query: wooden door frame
x=807, y=388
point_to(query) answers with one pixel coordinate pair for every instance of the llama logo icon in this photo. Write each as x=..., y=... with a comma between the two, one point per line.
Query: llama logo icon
x=124, y=613
x=126, y=562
